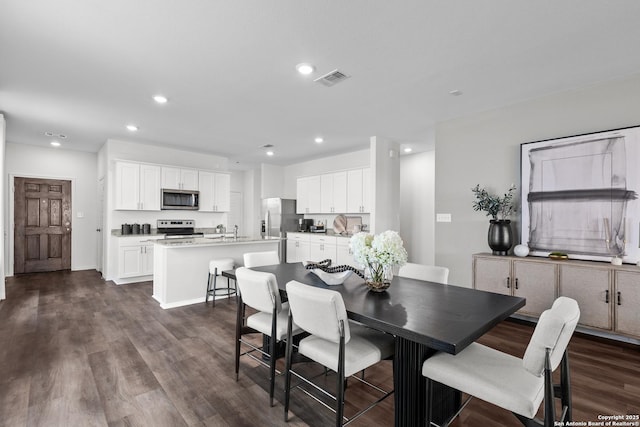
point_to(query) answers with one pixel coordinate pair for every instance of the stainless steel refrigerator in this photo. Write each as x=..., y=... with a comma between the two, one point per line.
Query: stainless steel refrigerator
x=278, y=217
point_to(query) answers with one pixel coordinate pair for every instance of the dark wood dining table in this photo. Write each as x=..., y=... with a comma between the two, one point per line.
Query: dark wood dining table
x=424, y=317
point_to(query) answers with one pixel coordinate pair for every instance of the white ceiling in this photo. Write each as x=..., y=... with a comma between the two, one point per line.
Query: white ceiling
x=86, y=68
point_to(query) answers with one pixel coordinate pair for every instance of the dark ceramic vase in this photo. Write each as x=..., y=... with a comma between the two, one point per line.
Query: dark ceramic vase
x=500, y=240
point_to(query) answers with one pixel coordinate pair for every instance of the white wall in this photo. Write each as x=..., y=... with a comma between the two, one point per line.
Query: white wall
x=385, y=175
x=77, y=166
x=485, y=149
x=252, y=205
x=272, y=181
x=3, y=180
x=417, y=196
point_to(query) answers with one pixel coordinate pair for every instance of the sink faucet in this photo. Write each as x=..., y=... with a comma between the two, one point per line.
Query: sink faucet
x=235, y=232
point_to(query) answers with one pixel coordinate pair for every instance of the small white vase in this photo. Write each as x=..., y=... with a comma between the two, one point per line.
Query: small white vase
x=521, y=250
x=616, y=260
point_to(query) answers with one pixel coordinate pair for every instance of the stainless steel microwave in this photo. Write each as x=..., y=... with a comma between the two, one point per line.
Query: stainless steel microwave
x=180, y=199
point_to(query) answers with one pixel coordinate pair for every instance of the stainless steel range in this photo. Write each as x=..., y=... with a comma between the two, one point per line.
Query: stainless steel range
x=177, y=228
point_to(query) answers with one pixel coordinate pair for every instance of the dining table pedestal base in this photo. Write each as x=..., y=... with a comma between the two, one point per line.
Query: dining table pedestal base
x=410, y=387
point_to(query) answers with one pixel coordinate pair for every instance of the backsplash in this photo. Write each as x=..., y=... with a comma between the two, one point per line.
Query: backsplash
x=327, y=220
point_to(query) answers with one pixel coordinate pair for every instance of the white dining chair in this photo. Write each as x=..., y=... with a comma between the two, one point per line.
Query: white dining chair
x=260, y=291
x=429, y=273
x=258, y=259
x=335, y=343
x=518, y=385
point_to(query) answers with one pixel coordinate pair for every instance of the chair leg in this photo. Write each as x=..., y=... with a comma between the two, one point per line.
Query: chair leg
x=206, y=297
x=287, y=369
x=340, y=379
x=239, y=324
x=215, y=286
x=340, y=398
x=272, y=368
x=565, y=384
x=549, y=403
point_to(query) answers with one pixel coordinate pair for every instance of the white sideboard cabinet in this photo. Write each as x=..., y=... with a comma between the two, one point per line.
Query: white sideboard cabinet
x=608, y=295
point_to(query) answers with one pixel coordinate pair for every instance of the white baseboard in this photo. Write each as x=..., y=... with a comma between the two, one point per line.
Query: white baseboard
x=185, y=302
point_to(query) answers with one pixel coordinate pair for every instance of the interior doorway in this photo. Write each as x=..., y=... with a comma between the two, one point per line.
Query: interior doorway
x=42, y=221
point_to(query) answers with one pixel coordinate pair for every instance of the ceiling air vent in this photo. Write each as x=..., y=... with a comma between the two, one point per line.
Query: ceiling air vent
x=332, y=78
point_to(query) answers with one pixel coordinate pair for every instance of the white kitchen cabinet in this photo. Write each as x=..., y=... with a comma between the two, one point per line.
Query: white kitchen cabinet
x=215, y=191
x=179, y=179
x=308, y=195
x=359, y=191
x=135, y=256
x=137, y=186
x=297, y=247
x=333, y=192
x=322, y=247
x=344, y=256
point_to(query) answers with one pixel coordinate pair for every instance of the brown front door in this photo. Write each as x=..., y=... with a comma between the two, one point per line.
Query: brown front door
x=42, y=225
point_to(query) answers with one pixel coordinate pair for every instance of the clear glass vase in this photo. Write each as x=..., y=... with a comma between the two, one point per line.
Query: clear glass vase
x=378, y=277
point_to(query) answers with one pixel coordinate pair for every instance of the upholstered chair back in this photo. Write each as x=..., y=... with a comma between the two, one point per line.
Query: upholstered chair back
x=259, y=290
x=554, y=330
x=258, y=259
x=430, y=273
x=318, y=311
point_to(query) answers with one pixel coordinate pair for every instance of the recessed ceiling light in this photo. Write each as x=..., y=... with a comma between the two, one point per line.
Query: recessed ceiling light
x=408, y=150
x=132, y=128
x=305, y=69
x=270, y=153
x=160, y=99
x=55, y=143
x=319, y=140
x=455, y=92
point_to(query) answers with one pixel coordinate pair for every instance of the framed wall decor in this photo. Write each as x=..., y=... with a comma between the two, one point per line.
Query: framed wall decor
x=580, y=195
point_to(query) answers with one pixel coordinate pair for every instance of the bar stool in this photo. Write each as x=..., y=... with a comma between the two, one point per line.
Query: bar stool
x=216, y=267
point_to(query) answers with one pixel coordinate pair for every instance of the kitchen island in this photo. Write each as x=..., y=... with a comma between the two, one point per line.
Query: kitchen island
x=181, y=266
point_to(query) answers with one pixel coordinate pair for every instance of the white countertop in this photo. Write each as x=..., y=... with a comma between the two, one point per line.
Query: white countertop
x=212, y=241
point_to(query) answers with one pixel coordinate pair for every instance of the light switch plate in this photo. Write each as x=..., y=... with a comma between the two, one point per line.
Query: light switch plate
x=443, y=217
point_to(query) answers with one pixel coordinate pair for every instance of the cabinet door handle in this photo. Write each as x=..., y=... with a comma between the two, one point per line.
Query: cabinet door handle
x=508, y=282
x=606, y=296
x=516, y=283
x=619, y=298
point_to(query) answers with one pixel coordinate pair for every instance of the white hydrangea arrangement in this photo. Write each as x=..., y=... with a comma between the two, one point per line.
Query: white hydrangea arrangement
x=378, y=253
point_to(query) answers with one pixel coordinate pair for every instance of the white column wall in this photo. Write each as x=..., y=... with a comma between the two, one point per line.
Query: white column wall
x=385, y=174
x=417, y=196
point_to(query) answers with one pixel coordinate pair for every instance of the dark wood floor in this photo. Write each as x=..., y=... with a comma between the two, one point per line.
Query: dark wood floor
x=78, y=351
